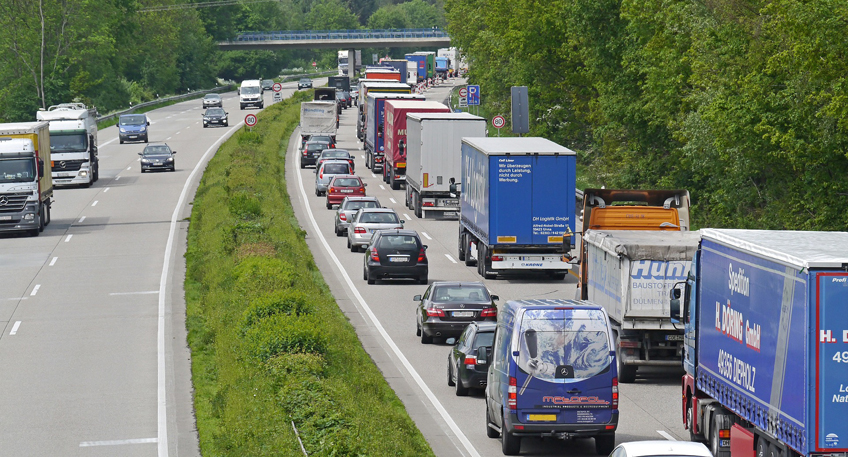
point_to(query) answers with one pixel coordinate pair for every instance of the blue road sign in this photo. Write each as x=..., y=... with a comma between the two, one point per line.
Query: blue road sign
x=473, y=95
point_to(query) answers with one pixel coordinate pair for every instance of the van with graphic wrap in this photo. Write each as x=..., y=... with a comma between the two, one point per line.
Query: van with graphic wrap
x=552, y=374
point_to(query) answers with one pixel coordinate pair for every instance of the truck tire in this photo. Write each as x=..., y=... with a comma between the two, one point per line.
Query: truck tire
x=510, y=444
x=395, y=183
x=604, y=444
x=41, y=223
x=721, y=420
x=626, y=373
x=690, y=422
x=419, y=211
x=461, y=245
x=48, y=215
x=762, y=447
x=773, y=451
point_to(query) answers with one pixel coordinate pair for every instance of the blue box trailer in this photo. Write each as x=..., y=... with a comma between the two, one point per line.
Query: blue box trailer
x=374, y=121
x=517, y=206
x=399, y=65
x=765, y=318
x=420, y=62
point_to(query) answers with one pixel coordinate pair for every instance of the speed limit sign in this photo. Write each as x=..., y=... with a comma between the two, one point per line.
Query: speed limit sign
x=250, y=120
x=498, y=122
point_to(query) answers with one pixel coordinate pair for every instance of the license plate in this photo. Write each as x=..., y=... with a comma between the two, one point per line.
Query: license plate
x=462, y=314
x=451, y=202
x=724, y=443
x=347, y=191
x=64, y=175
x=133, y=136
x=398, y=259
x=674, y=337
x=542, y=417
x=5, y=218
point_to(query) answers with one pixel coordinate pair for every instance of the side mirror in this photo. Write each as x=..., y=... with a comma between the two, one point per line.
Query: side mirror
x=674, y=304
x=402, y=222
x=416, y=298
x=450, y=341
x=425, y=247
x=495, y=298
x=365, y=184
x=148, y=123
x=40, y=168
x=140, y=153
x=173, y=152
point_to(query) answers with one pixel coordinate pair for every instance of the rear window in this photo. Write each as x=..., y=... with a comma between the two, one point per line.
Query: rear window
x=566, y=344
x=336, y=169
x=347, y=182
x=358, y=205
x=378, y=218
x=484, y=339
x=398, y=242
x=460, y=293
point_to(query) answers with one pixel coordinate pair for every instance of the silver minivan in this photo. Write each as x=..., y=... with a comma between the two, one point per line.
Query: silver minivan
x=328, y=170
x=366, y=221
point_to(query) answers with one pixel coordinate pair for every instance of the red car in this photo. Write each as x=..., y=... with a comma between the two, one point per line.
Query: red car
x=344, y=186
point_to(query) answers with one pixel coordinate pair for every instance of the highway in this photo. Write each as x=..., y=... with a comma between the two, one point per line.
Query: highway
x=384, y=316
x=92, y=311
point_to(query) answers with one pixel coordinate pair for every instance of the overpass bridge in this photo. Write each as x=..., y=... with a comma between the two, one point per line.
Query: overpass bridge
x=339, y=39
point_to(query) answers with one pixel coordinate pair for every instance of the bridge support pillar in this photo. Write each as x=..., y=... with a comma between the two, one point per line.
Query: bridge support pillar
x=351, y=64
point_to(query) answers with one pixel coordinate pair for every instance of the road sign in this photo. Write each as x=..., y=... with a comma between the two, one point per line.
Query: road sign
x=314, y=64
x=250, y=120
x=473, y=95
x=463, y=92
x=278, y=97
x=498, y=122
x=278, y=87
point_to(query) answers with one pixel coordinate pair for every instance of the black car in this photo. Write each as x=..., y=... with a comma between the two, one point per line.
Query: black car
x=447, y=307
x=311, y=151
x=267, y=84
x=343, y=99
x=304, y=83
x=215, y=116
x=210, y=100
x=395, y=254
x=329, y=139
x=468, y=361
x=157, y=156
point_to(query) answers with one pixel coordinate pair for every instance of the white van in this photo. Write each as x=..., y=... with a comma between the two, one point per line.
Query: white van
x=250, y=94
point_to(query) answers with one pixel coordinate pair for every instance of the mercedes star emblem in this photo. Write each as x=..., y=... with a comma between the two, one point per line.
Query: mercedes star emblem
x=4, y=200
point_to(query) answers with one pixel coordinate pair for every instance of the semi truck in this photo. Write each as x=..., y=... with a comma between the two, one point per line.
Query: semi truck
x=318, y=118
x=401, y=65
x=26, y=183
x=375, y=124
x=517, y=206
x=375, y=86
x=344, y=61
x=630, y=273
x=433, y=159
x=394, y=166
x=442, y=66
x=339, y=82
x=766, y=343
x=73, y=143
x=382, y=72
x=419, y=62
x=429, y=63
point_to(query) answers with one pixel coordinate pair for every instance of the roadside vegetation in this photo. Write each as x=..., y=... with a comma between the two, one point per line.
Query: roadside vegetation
x=270, y=347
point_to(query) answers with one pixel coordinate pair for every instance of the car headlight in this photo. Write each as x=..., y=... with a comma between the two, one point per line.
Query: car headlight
x=170, y=159
x=145, y=161
x=123, y=130
x=143, y=128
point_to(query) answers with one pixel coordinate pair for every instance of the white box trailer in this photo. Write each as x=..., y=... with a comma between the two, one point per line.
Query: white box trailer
x=630, y=274
x=318, y=118
x=434, y=158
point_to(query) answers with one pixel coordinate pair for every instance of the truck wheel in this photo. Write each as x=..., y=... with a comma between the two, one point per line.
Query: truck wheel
x=720, y=421
x=48, y=215
x=461, y=245
x=762, y=447
x=604, y=444
x=416, y=202
x=41, y=223
x=394, y=182
x=626, y=373
x=510, y=444
x=690, y=422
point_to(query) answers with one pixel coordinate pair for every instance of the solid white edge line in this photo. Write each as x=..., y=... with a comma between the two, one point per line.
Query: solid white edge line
x=666, y=435
x=15, y=328
x=374, y=321
x=118, y=442
x=163, y=282
x=146, y=292
x=450, y=258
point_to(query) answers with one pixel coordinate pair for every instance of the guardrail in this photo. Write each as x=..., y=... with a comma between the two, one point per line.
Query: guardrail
x=354, y=34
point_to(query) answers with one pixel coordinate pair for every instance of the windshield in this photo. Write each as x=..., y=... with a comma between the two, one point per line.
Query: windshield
x=157, y=150
x=17, y=170
x=138, y=119
x=212, y=97
x=572, y=342
x=215, y=112
x=250, y=90
x=459, y=293
x=74, y=142
x=358, y=204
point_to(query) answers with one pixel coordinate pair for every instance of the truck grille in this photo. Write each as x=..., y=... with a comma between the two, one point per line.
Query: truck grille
x=68, y=165
x=13, y=202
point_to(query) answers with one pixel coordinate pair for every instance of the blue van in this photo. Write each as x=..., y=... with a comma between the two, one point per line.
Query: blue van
x=552, y=374
x=133, y=127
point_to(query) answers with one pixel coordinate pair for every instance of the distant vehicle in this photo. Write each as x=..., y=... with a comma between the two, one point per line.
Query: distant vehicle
x=354, y=94
x=348, y=207
x=157, y=156
x=546, y=354
x=250, y=94
x=396, y=254
x=326, y=171
x=311, y=151
x=339, y=82
x=344, y=186
x=133, y=127
x=468, y=361
x=366, y=221
x=331, y=141
x=343, y=98
x=447, y=307
x=318, y=118
x=334, y=154
x=73, y=143
x=215, y=116
x=662, y=448
x=304, y=83
x=210, y=100
x=267, y=84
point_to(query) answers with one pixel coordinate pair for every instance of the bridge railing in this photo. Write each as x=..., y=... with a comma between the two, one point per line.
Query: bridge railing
x=354, y=34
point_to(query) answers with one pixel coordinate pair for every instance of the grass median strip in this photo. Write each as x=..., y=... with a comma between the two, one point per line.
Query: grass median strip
x=269, y=344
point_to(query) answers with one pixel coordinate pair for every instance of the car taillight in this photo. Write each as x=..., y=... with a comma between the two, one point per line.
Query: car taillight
x=435, y=312
x=374, y=256
x=489, y=312
x=321, y=175
x=614, y=393
x=362, y=189
x=429, y=204
x=512, y=396
x=422, y=256
x=342, y=217
x=359, y=230
x=304, y=152
x=332, y=189
x=470, y=361
x=497, y=258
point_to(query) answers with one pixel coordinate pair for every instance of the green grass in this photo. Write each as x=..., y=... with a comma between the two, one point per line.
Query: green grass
x=269, y=344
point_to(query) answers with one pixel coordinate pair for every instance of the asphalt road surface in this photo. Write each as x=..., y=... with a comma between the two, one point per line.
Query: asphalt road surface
x=384, y=316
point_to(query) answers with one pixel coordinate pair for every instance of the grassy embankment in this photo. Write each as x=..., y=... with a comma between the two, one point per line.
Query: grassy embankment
x=269, y=344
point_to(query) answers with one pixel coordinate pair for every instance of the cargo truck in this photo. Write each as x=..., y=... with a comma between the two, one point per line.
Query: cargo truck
x=375, y=124
x=73, y=143
x=26, y=184
x=382, y=73
x=630, y=273
x=374, y=86
x=419, y=62
x=429, y=59
x=401, y=65
x=442, y=66
x=766, y=343
x=339, y=82
x=318, y=118
x=517, y=206
x=434, y=159
x=394, y=166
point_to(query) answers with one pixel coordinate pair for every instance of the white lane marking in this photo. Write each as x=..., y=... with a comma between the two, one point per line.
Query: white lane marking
x=393, y=200
x=146, y=292
x=106, y=190
x=118, y=442
x=373, y=176
x=388, y=339
x=95, y=203
x=666, y=435
x=117, y=178
x=130, y=168
x=426, y=235
x=161, y=396
x=363, y=157
x=450, y=258
x=68, y=238
x=82, y=219
x=407, y=216
x=110, y=141
x=179, y=132
x=382, y=187
x=53, y=262
x=168, y=138
x=35, y=290
x=15, y=328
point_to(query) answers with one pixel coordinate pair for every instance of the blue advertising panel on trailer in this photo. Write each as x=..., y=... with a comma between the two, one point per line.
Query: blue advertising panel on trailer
x=831, y=358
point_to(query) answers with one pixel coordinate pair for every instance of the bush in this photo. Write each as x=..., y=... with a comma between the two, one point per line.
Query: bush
x=288, y=302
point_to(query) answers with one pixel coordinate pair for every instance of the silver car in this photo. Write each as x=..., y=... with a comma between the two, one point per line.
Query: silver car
x=348, y=208
x=366, y=221
x=328, y=170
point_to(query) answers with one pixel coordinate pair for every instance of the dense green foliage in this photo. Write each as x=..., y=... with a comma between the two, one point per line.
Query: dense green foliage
x=269, y=344
x=743, y=102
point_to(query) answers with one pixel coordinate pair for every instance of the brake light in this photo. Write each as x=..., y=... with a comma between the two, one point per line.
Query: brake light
x=321, y=175
x=374, y=256
x=304, y=153
x=429, y=204
x=359, y=230
x=497, y=258
x=342, y=217
x=422, y=256
x=332, y=189
x=470, y=361
x=512, y=395
x=614, y=393
x=489, y=312
x=724, y=433
x=362, y=189
x=628, y=344
x=435, y=312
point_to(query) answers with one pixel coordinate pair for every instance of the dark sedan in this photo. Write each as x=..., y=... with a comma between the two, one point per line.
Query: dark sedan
x=311, y=151
x=157, y=157
x=468, y=361
x=215, y=116
x=396, y=254
x=304, y=83
x=447, y=307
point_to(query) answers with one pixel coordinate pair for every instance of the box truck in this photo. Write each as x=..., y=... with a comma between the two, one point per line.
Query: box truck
x=394, y=169
x=26, y=183
x=73, y=143
x=375, y=124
